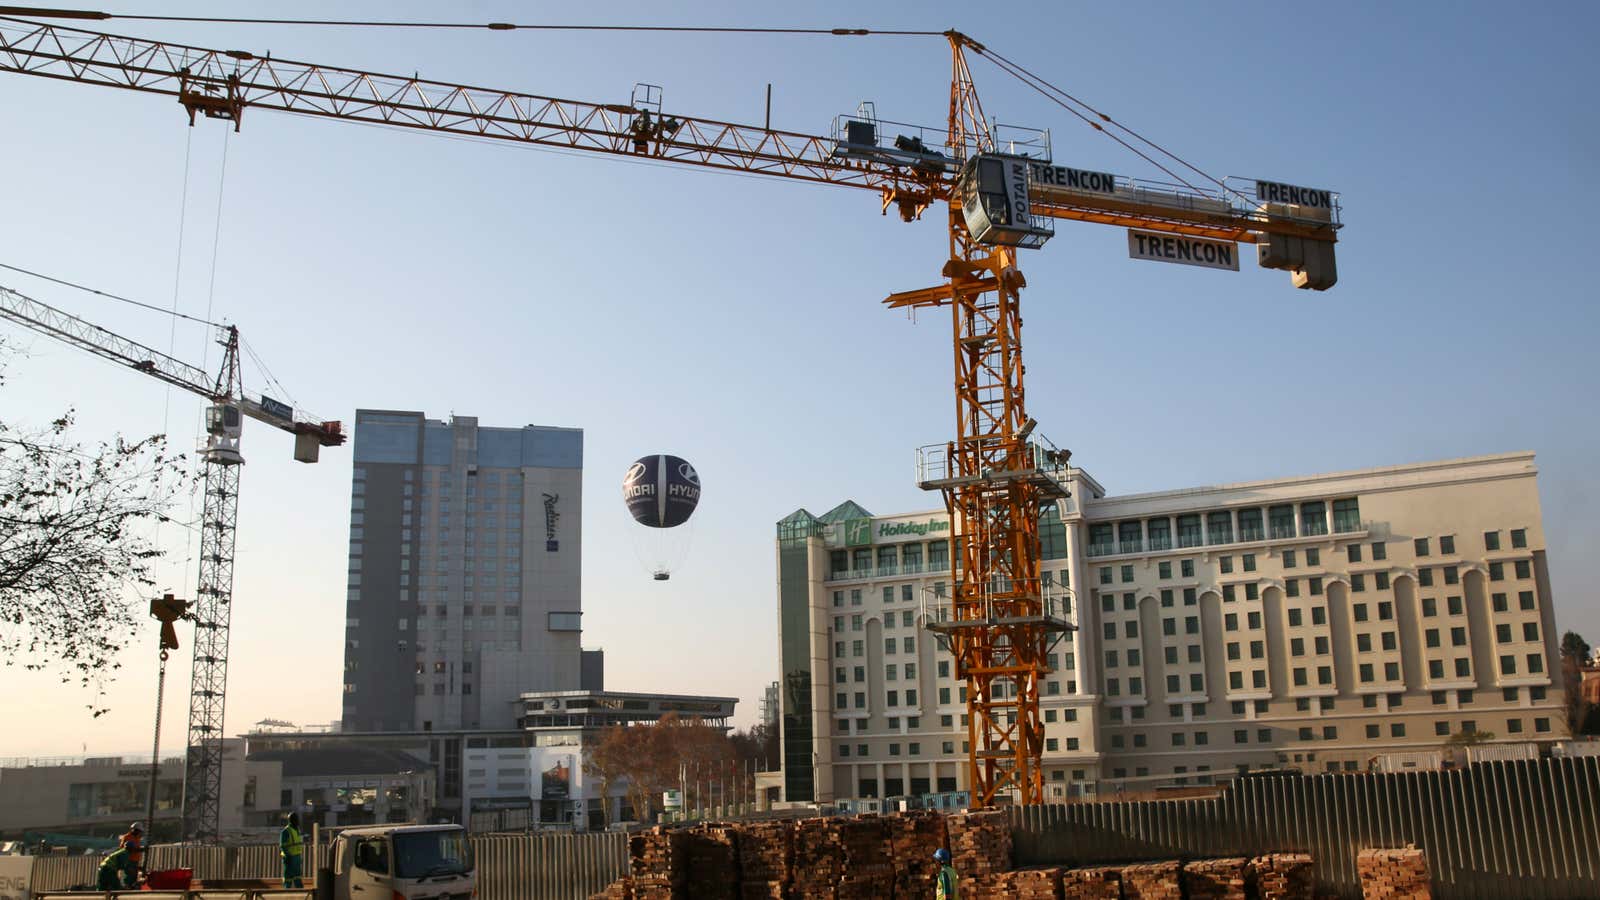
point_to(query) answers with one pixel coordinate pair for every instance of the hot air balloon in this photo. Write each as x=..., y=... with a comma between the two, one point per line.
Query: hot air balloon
x=661, y=492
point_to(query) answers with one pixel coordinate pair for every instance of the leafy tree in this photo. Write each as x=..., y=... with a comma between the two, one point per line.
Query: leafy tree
x=1574, y=647
x=671, y=753
x=74, y=546
x=1469, y=738
x=757, y=748
x=1591, y=721
x=1574, y=654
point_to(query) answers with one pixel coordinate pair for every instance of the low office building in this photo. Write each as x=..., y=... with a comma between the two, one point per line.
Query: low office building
x=101, y=796
x=1310, y=623
x=528, y=776
x=337, y=786
x=545, y=772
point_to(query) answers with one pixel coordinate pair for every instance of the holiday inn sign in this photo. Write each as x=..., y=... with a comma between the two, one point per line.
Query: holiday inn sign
x=861, y=532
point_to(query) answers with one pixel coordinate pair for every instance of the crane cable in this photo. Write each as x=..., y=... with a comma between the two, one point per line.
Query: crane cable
x=96, y=15
x=1044, y=87
x=107, y=294
x=1038, y=83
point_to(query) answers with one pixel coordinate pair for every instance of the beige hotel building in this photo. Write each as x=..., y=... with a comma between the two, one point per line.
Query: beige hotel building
x=1316, y=623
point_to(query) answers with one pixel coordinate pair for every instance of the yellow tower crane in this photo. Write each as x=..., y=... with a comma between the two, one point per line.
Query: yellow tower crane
x=1000, y=193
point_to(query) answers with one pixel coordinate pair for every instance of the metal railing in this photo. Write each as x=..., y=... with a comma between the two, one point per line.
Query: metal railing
x=1522, y=828
x=509, y=866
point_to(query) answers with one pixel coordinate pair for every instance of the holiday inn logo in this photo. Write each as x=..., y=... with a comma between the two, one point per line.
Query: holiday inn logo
x=857, y=532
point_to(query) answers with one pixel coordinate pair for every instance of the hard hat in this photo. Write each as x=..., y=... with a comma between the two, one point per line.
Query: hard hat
x=942, y=855
x=136, y=827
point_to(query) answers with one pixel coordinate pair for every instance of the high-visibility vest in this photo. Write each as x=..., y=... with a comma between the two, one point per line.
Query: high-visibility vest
x=948, y=888
x=289, y=841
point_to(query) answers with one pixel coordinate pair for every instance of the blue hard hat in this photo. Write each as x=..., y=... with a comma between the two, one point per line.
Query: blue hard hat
x=942, y=855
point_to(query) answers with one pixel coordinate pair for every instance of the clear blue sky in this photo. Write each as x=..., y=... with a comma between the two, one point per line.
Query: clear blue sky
x=736, y=321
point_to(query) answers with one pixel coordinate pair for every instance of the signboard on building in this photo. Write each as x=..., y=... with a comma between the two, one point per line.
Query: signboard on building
x=857, y=532
x=1184, y=250
x=555, y=782
x=16, y=873
x=1072, y=179
x=1293, y=195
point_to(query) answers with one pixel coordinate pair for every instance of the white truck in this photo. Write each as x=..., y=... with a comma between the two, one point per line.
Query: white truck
x=400, y=862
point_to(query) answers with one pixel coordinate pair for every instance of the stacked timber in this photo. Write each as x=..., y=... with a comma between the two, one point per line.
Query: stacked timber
x=818, y=859
x=1215, y=879
x=913, y=837
x=867, y=856
x=1100, y=883
x=980, y=842
x=1394, y=874
x=1033, y=884
x=1152, y=881
x=621, y=889
x=1282, y=876
x=711, y=861
x=766, y=859
x=657, y=857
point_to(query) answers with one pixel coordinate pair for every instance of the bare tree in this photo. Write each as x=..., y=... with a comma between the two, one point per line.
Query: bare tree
x=75, y=548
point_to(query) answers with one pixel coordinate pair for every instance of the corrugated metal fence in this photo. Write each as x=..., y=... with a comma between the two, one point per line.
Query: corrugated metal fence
x=1518, y=828
x=510, y=866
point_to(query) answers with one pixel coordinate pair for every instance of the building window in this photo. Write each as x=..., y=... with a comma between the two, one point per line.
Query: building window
x=1160, y=531
x=1525, y=599
x=1129, y=538
x=1280, y=522
x=1189, y=530
x=1164, y=570
x=1425, y=577
x=1541, y=724
x=1353, y=553
x=1313, y=518
x=1397, y=729
x=1346, y=515
x=1289, y=559
x=1219, y=527
x=1420, y=546
x=1523, y=569
x=1291, y=587
x=1358, y=582
x=1226, y=564
x=1249, y=562
x=1447, y=544
x=1250, y=524
x=1519, y=538
x=1186, y=568
x=1535, y=663
x=1127, y=574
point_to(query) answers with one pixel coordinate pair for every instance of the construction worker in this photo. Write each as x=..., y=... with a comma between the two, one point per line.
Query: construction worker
x=120, y=862
x=946, y=884
x=134, y=838
x=291, y=846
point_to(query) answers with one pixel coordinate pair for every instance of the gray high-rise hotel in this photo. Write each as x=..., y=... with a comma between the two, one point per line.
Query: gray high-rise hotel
x=464, y=572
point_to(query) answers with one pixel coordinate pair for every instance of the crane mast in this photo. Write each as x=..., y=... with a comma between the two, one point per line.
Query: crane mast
x=213, y=605
x=996, y=475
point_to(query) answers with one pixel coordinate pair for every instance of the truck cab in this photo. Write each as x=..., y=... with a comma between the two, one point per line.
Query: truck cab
x=403, y=862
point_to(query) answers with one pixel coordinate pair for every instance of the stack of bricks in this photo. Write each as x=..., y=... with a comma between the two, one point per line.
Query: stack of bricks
x=1214, y=879
x=818, y=859
x=766, y=859
x=913, y=837
x=1103, y=883
x=1152, y=881
x=711, y=861
x=868, y=859
x=657, y=859
x=1400, y=874
x=1282, y=876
